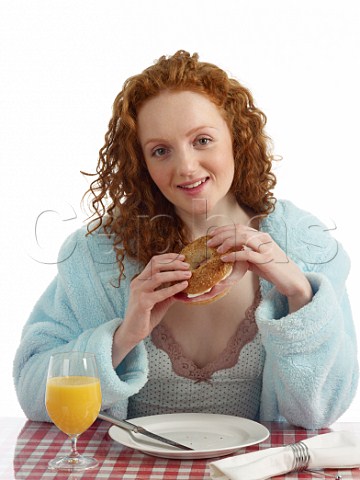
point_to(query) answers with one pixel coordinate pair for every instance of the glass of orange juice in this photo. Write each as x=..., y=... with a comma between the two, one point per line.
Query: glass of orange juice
x=73, y=401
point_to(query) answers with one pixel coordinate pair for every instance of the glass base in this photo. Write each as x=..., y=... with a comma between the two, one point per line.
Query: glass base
x=73, y=464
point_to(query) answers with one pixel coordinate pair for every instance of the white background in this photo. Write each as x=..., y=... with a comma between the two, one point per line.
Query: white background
x=62, y=64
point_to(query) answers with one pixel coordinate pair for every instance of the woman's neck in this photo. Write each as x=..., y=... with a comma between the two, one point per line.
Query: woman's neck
x=201, y=221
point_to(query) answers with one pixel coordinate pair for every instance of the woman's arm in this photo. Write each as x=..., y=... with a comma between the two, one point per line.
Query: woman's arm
x=151, y=294
x=311, y=370
x=311, y=367
x=75, y=313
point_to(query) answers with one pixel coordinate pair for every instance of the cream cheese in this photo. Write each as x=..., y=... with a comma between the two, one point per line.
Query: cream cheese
x=194, y=295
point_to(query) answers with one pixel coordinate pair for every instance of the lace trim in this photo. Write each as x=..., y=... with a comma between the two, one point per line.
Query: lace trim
x=184, y=367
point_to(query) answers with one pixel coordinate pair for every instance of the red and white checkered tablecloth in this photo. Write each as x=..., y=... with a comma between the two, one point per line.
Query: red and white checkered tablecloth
x=26, y=447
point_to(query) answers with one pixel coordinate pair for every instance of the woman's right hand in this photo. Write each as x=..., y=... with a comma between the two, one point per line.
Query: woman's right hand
x=151, y=294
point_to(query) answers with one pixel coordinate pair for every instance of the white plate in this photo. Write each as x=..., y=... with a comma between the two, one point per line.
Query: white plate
x=208, y=434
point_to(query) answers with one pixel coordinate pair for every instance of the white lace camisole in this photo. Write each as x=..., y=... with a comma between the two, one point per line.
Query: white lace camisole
x=229, y=385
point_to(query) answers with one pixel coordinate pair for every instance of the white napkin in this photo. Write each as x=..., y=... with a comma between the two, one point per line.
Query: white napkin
x=329, y=450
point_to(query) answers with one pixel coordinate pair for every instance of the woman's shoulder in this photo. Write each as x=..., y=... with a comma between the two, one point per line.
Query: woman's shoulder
x=289, y=211
x=288, y=216
x=301, y=234
x=90, y=252
x=283, y=220
x=81, y=244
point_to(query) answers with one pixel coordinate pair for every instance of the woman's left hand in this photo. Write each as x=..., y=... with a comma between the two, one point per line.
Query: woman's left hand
x=265, y=258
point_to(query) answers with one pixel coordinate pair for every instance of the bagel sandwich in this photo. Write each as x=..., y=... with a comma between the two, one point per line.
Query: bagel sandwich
x=206, y=283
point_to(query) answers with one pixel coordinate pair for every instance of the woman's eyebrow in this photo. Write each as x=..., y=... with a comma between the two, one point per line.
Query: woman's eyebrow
x=153, y=140
x=193, y=130
x=187, y=134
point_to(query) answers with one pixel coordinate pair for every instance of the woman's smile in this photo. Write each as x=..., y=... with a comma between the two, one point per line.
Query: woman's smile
x=194, y=187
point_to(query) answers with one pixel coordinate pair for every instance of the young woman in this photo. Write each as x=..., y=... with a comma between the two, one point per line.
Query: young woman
x=186, y=155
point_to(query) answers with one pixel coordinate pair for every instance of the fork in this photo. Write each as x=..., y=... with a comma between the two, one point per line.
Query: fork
x=323, y=474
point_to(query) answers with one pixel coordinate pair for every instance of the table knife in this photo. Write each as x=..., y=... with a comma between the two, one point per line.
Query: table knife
x=138, y=429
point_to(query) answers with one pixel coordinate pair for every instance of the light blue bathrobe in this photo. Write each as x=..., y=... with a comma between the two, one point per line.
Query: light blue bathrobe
x=311, y=371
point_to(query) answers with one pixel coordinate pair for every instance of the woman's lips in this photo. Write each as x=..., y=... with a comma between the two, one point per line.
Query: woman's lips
x=193, y=187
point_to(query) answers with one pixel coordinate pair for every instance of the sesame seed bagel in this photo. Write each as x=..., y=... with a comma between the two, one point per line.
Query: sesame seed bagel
x=207, y=270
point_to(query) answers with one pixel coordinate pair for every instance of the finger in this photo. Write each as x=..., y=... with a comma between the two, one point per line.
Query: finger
x=146, y=301
x=158, y=264
x=155, y=279
x=249, y=256
x=226, y=240
x=251, y=239
x=238, y=271
x=168, y=292
x=231, y=239
x=168, y=258
x=232, y=227
x=259, y=243
x=161, y=266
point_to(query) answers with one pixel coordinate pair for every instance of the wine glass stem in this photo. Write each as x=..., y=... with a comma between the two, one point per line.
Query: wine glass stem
x=74, y=453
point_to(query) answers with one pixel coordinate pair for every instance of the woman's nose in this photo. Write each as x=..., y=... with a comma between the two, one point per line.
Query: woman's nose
x=186, y=162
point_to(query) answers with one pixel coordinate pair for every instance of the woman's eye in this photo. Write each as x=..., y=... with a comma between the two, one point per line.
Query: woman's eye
x=159, y=152
x=203, y=141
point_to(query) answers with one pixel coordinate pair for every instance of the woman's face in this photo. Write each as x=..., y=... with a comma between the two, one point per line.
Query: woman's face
x=187, y=148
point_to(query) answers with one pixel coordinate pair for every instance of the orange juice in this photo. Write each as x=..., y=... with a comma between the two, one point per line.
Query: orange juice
x=73, y=403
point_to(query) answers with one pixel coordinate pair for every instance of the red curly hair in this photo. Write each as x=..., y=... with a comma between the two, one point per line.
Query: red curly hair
x=122, y=175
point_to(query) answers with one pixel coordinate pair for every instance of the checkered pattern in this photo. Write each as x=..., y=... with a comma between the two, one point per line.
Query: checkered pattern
x=26, y=451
